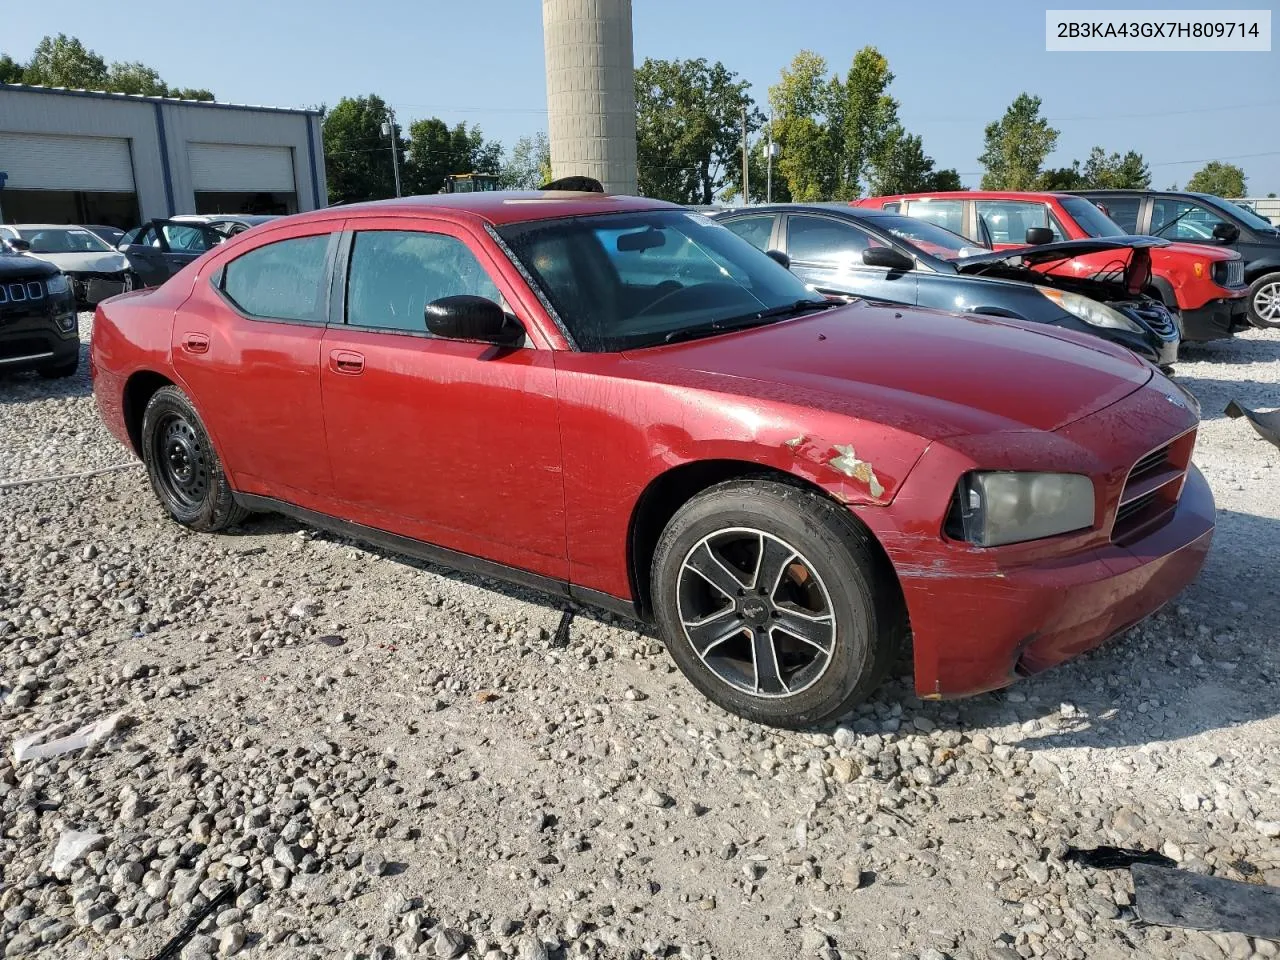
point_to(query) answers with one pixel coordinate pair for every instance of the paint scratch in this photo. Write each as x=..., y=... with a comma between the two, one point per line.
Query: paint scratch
x=795, y=442
x=847, y=462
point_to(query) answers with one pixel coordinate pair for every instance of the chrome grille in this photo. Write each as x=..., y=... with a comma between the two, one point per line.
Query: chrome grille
x=1229, y=273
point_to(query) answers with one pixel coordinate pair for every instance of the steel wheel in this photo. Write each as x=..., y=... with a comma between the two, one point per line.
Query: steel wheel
x=1266, y=302
x=756, y=613
x=180, y=455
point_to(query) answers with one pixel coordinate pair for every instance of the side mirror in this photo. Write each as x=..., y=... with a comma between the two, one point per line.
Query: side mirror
x=887, y=257
x=466, y=317
x=1038, y=235
x=779, y=257
x=1226, y=232
x=22, y=246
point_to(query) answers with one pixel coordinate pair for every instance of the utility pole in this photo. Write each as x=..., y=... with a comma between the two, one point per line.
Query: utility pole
x=768, y=183
x=746, y=193
x=389, y=129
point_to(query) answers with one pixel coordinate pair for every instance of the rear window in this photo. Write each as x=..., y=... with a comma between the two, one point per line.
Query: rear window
x=280, y=281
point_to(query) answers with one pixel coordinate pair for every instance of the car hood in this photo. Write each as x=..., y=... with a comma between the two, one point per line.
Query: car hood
x=1201, y=250
x=22, y=265
x=104, y=262
x=1063, y=250
x=932, y=373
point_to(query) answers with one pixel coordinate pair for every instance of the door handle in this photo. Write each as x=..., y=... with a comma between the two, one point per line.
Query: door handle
x=195, y=343
x=346, y=362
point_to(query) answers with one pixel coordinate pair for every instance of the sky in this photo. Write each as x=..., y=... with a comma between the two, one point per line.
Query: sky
x=957, y=66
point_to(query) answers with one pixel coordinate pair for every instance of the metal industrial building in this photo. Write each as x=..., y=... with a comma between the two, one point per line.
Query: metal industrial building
x=76, y=156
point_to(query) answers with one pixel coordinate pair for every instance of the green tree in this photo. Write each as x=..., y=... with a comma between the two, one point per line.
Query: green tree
x=435, y=151
x=1115, y=172
x=191, y=93
x=11, y=70
x=1061, y=178
x=136, y=78
x=64, y=61
x=357, y=157
x=1016, y=146
x=806, y=129
x=865, y=119
x=1220, y=179
x=529, y=165
x=901, y=166
x=689, y=116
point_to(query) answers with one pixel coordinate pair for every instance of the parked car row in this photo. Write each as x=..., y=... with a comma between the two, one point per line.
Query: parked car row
x=628, y=403
x=101, y=261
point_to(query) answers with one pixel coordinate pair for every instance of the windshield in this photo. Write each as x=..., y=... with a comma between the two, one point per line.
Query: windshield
x=1240, y=213
x=927, y=237
x=632, y=280
x=59, y=240
x=1090, y=219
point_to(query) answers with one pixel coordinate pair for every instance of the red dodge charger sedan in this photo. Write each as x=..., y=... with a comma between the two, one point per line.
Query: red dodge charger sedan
x=621, y=401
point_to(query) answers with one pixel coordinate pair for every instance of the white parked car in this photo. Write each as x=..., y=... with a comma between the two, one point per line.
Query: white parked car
x=96, y=269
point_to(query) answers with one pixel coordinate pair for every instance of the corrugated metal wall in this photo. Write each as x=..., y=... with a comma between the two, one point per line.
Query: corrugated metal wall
x=61, y=122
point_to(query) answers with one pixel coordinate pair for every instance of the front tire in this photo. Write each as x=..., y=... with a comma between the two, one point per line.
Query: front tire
x=183, y=467
x=1264, y=301
x=774, y=603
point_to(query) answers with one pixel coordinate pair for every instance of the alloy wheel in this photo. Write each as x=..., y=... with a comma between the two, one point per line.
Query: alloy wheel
x=1266, y=302
x=756, y=612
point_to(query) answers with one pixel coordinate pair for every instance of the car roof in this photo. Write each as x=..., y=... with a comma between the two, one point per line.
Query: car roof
x=496, y=207
x=837, y=208
x=46, y=226
x=980, y=195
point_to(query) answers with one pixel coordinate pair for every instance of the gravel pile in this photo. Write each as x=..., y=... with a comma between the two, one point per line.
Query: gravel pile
x=315, y=750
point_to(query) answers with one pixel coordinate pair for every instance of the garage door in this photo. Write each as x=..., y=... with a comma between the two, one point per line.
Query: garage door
x=237, y=167
x=41, y=162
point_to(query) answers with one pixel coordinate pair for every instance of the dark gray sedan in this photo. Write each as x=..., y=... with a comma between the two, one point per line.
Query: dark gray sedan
x=891, y=258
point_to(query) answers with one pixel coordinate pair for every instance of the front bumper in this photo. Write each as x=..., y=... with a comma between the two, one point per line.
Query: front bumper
x=93, y=288
x=32, y=336
x=980, y=618
x=1216, y=320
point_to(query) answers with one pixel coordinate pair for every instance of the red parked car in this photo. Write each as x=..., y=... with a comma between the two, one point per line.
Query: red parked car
x=621, y=401
x=1205, y=285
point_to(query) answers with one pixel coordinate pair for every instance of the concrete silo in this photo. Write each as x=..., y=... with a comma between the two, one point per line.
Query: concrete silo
x=591, y=90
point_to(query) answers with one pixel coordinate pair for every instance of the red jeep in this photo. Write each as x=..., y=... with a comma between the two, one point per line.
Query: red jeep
x=1204, y=285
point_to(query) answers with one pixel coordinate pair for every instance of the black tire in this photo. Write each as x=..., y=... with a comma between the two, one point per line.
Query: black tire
x=67, y=369
x=183, y=467
x=1267, y=289
x=842, y=569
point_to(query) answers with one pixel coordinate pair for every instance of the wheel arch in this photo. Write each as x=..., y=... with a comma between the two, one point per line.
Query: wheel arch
x=1261, y=268
x=138, y=391
x=1164, y=291
x=669, y=491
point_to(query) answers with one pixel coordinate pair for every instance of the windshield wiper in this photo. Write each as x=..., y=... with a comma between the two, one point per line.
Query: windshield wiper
x=747, y=320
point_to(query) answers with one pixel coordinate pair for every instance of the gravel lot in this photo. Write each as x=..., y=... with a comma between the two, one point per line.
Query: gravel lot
x=384, y=759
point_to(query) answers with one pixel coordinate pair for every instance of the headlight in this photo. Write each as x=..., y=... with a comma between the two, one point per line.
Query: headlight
x=57, y=285
x=1090, y=311
x=997, y=508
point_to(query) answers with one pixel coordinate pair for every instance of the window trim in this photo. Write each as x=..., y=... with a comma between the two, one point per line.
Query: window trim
x=218, y=277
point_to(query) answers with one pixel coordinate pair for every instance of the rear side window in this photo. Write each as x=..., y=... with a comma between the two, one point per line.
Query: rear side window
x=280, y=281
x=755, y=230
x=948, y=214
x=1123, y=210
x=394, y=274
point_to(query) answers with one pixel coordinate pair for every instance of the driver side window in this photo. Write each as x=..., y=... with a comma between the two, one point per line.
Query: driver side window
x=820, y=240
x=1194, y=223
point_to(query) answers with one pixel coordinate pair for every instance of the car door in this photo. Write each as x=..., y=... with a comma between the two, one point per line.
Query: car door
x=447, y=442
x=246, y=344
x=827, y=253
x=142, y=247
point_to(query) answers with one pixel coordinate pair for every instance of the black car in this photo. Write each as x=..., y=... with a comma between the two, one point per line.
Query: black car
x=38, y=329
x=112, y=235
x=892, y=258
x=1203, y=218
x=160, y=248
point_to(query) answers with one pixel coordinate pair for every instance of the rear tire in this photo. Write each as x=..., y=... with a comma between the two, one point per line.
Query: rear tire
x=62, y=370
x=1264, y=301
x=761, y=572
x=183, y=467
